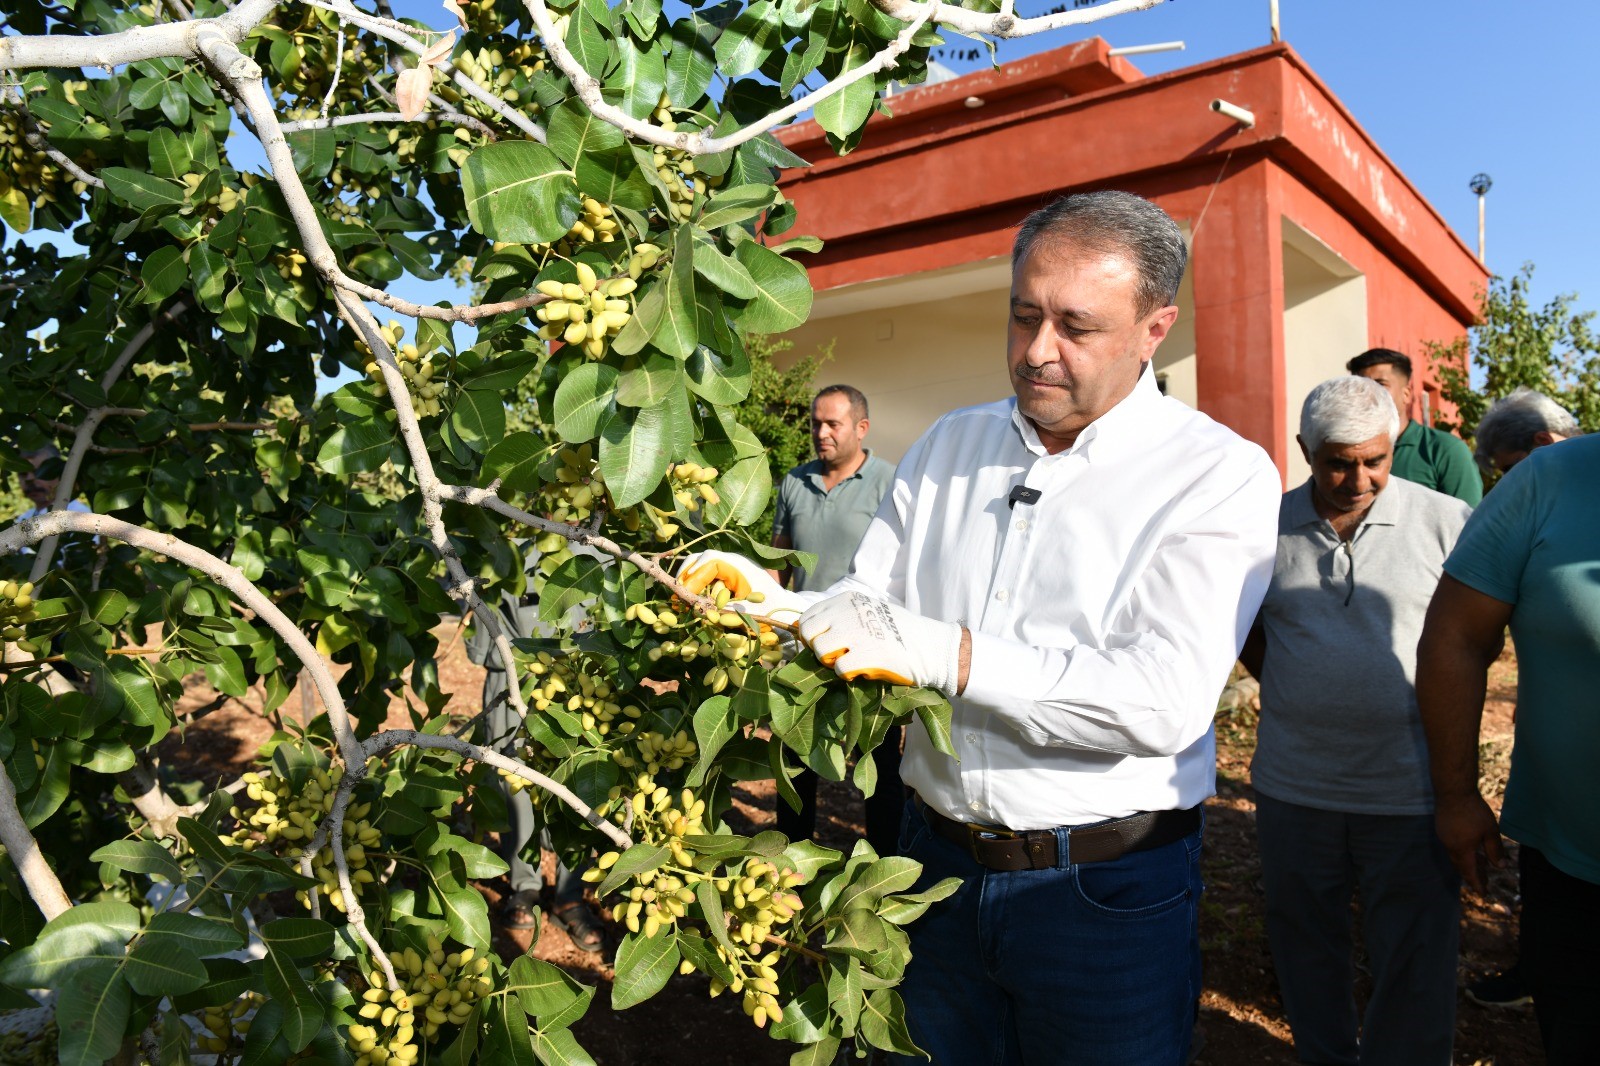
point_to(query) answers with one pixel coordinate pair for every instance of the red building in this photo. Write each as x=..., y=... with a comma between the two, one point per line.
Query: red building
x=1308, y=244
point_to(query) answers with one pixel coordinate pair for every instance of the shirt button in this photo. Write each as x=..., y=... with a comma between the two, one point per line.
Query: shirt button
x=975, y=805
x=972, y=738
x=1001, y=595
x=1022, y=523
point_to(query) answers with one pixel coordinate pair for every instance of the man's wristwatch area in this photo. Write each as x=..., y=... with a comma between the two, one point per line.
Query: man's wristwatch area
x=1007, y=850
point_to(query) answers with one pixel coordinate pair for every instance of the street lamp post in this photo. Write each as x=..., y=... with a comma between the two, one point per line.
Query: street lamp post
x=1480, y=184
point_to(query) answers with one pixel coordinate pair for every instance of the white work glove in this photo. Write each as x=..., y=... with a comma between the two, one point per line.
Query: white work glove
x=742, y=577
x=864, y=637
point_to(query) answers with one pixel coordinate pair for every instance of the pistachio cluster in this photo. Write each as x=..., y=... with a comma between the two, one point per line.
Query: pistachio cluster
x=582, y=687
x=731, y=642
x=644, y=257
x=677, y=169
x=757, y=897
x=290, y=264
x=691, y=484
x=416, y=368
x=221, y=202
x=439, y=989
x=506, y=72
x=227, y=1022
x=283, y=820
x=587, y=312
x=16, y=609
x=28, y=178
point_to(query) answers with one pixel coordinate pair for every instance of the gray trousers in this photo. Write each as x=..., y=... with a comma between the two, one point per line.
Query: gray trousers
x=1312, y=863
x=525, y=876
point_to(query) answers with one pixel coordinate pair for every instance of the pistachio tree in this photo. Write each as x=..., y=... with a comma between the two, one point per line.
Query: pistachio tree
x=241, y=193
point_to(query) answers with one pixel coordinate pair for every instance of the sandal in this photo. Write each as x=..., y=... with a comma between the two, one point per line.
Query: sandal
x=574, y=918
x=521, y=911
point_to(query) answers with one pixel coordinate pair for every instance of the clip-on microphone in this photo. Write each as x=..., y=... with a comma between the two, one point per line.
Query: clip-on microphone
x=1023, y=494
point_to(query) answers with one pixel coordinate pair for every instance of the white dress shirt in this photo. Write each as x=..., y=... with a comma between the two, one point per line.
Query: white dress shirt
x=1105, y=617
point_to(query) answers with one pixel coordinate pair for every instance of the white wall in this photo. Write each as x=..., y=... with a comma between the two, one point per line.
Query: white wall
x=1324, y=325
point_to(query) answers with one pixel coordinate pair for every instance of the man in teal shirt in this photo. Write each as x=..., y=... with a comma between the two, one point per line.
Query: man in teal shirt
x=1423, y=455
x=1529, y=557
x=824, y=507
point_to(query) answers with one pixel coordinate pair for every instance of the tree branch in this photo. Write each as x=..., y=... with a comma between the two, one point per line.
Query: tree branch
x=34, y=134
x=386, y=116
x=162, y=41
x=43, y=884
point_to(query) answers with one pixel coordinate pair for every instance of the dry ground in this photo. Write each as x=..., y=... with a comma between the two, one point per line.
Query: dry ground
x=1241, y=1018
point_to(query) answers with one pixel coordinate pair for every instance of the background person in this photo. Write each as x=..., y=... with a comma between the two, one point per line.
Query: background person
x=1429, y=457
x=520, y=910
x=1516, y=424
x=1077, y=568
x=1509, y=431
x=824, y=507
x=1529, y=559
x=1343, y=799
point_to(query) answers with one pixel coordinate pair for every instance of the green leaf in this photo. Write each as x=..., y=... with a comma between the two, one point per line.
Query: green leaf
x=515, y=461
x=356, y=446
x=676, y=333
x=547, y=993
x=714, y=725
x=743, y=491
x=140, y=190
x=883, y=1023
x=479, y=418
x=691, y=62
x=583, y=401
x=558, y=1047
x=641, y=71
x=891, y=873
x=519, y=191
x=783, y=292
x=643, y=966
x=722, y=270
x=634, y=452
x=169, y=156
x=163, y=273
x=575, y=132
x=199, y=934
x=588, y=42
x=140, y=857
x=749, y=39
x=299, y=938
x=160, y=966
x=637, y=860
x=936, y=720
x=710, y=901
x=92, y=1007
x=85, y=934
x=846, y=111
x=844, y=993
x=860, y=934
x=648, y=380
x=226, y=675
x=906, y=908
x=736, y=204
x=718, y=377
x=822, y=1053
x=209, y=270
x=285, y=986
x=805, y=1017
x=576, y=580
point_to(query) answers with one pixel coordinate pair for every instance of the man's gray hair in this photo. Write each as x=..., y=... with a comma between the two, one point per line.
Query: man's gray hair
x=1113, y=221
x=1347, y=410
x=1514, y=419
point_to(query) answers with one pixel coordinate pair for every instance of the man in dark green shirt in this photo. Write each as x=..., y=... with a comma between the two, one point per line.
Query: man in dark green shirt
x=1426, y=456
x=824, y=507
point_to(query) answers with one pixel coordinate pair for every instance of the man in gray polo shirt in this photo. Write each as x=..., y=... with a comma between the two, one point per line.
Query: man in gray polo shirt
x=1344, y=801
x=824, y=507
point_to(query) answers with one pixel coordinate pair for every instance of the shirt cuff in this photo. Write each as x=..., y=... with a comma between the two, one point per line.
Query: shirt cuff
x=1000, y=670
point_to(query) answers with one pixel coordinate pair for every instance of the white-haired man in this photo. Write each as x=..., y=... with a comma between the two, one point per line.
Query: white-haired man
x=1344, y=801
x=1516, y=424
x=1076, y=567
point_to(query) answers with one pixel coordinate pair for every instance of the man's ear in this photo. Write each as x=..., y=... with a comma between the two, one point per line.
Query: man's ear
x=1158, y=326
x=1544, y=437
x=862, y=427
x=1306, y=452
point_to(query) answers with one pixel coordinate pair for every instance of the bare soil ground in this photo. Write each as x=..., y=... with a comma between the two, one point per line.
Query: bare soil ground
x=1241, y=1018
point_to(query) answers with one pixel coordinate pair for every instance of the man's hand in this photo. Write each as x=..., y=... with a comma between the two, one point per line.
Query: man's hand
x=861, y=637
x=743, y=578
x=1469, y=832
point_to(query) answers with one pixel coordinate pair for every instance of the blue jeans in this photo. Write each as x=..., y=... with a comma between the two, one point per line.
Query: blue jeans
x=1096, y=964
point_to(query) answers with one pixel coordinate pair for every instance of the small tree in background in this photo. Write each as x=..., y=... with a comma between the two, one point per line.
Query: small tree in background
x=1552, y=349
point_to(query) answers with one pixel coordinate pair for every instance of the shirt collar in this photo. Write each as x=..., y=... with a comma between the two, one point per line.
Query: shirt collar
x=1113, y=433
x=1301, y=509
x=816, y=470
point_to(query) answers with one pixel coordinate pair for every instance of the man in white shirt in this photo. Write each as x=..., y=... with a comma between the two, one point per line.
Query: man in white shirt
x=1077, y=568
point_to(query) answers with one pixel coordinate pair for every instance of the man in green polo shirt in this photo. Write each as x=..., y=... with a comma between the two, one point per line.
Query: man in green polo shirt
x=824, y=507
x=1423, y=455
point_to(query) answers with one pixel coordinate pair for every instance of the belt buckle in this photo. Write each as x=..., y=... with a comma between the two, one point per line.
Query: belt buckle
x=977, y=833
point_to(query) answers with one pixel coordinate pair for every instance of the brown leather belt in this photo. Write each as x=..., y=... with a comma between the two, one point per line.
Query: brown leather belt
x=1008, y=850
